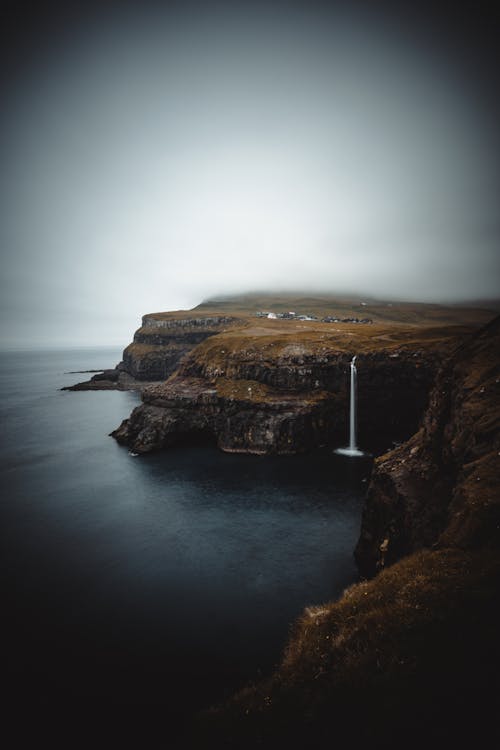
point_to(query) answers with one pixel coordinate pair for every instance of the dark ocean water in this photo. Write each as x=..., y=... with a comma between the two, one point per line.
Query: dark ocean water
x=164, y=580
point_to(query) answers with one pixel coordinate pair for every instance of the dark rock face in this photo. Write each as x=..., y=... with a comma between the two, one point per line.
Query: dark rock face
x=440, y=488
x=152, y=362
x=392, y=396
x=160, y=344
x=282, y=406
x=109, y=375
x=109, y=380
x=393, y=388
x=201, y=322
x=414, y=652
x=302, y=380
x=247, y=420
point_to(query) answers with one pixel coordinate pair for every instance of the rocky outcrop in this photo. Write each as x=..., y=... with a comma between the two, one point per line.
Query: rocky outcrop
x=200, y=322
x=441, y=487
x=258, y=397
x=240, y=416
x=410, y=657
x=297, y=375
x=115, y=379
x=164, y=339
x=159, y=346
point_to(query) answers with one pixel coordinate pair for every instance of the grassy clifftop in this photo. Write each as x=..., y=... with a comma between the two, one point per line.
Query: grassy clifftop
x=413, y=313
x=245, y=306
x=240, y=326
x=272, y=339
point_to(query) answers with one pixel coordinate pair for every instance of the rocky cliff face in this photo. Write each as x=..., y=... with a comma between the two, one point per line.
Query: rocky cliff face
x=241, y=416
x=273, y=394
x=441, y=487
x=411, y=657
x=158, y=348
x=162, y=341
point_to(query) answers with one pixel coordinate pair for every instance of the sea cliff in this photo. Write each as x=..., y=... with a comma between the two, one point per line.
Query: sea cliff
x=441, y=487
x=411, y=657
x=164, y=339
x=267, y=385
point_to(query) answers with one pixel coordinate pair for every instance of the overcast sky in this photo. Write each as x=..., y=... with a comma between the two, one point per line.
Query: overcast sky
x=151, y=158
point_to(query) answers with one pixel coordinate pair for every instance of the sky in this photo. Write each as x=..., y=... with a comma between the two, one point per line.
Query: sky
x=155, y=154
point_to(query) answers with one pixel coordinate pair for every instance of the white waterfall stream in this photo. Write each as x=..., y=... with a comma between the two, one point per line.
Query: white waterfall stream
x=352, y=450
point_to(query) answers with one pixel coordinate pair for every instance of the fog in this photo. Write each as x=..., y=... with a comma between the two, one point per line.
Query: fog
x=154, y=158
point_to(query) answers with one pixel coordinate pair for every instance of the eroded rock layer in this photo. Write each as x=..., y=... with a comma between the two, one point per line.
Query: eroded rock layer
x=161, y=343
x=270, y=391
x=441, y=487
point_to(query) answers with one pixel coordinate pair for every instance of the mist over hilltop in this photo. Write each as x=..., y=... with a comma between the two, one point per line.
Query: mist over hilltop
x=155, y=156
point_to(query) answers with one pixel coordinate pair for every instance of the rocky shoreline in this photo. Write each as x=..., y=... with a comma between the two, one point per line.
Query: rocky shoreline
x=113, y=379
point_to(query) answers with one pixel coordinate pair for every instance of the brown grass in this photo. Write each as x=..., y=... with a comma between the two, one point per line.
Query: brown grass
x=254, y=391
x=410, y=313
x=271, y=340
x=144, y=351
x=398, y=659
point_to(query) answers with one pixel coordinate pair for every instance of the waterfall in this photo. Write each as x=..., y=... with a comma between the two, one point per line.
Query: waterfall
x=352, y=450
x=352, y=408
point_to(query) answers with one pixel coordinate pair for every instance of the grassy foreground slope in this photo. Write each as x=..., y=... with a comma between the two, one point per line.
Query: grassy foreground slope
x=408, y=659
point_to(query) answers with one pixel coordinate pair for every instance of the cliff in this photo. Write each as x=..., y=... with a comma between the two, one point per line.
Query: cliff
x=157, y=349
x=280, y=385
x=165, y=338
x=277, y=388
x=411, y=657
x=441, y=487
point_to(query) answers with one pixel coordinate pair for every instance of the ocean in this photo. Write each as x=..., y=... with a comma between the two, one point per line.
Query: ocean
x=167, y=580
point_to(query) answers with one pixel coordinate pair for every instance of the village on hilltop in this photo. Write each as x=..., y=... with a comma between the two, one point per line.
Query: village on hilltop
x=293, y=316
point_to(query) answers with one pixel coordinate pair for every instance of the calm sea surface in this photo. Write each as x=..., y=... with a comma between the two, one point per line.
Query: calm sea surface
x=169, y=579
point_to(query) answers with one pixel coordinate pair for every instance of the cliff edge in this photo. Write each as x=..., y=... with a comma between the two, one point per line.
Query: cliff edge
x=164, y=339
x=441, y=487
x=269, y=385
x=411, y=657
